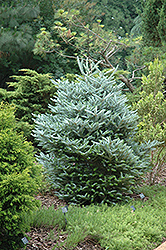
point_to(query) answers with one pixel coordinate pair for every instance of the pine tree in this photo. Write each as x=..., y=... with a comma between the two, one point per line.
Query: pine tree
x=88, y=143
x=16, y=36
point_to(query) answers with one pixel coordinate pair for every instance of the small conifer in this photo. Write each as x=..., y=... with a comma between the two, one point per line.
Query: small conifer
x=89, y=151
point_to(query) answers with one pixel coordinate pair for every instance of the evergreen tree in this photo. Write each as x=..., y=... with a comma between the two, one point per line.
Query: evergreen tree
x=16, y=37
x=20, y=22
x=153, y=18
x=89, y=151
x=162, y=24
x=31, y=94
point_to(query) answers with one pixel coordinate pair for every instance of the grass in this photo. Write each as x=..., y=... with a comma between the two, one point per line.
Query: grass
x=115, y=227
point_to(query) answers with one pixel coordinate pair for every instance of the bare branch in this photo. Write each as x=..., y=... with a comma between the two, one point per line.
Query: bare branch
x=134, y=78
x=137, y=70
x=107, y=47
x=106, y=59
x=113, y=53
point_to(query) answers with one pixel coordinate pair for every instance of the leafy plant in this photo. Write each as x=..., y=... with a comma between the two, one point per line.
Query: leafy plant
x=89, y=151
x=152, y=111
x=88, y=39
x=19, y=179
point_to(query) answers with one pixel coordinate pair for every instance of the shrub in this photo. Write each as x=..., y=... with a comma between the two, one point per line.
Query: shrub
x=31, y=94
x=19, y=179
x=152, y=110
x=88, y=143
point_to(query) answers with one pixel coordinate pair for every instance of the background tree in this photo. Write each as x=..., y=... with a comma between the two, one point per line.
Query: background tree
x=20, y=22
x=89, y=40
x=117, y=16
x=150, y=26
x=153, y=27
x=16, y=38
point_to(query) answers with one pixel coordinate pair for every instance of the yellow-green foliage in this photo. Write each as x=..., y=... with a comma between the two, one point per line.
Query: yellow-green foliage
x=19, y=177
x=152, y=111
x=152, y=105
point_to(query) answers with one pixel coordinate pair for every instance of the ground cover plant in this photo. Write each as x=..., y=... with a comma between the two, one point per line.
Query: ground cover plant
x=89, y=152
x=139, y=224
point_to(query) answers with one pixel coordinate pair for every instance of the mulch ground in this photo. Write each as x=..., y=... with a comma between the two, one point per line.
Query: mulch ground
x=47, y=238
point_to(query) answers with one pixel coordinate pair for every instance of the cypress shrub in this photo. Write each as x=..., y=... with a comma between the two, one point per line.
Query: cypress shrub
x=20, y=178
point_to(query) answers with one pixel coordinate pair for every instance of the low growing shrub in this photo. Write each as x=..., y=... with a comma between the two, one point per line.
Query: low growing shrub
x=20, y=178
x=89, y=151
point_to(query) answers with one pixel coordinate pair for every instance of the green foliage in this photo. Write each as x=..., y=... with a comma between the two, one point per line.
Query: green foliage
x=118, y=15
x=44, y=217
x=162, y=23
x=150, y=26
x=152, y=111
x=32, y=93
x=89, y=153
x=21, y=21
x=114, y=227
x=153, y=25
x=88, y=40
x=136, y=29
x=19, y=179
x=16, y=36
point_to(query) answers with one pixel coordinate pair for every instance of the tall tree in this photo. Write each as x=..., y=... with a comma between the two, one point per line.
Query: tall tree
x=20, y=22
x=16, y=37
x=89, y=39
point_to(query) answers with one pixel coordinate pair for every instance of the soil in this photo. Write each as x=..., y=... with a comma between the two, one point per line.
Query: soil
x=47, y=238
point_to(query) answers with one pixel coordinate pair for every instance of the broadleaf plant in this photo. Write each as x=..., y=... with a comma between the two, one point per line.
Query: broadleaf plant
x=89, y=151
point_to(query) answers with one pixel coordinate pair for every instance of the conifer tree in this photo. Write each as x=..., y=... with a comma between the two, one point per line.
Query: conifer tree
x=89, y=151
x=31, y=94
x=162, y=23
x=153, y=22
x=16, y=36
